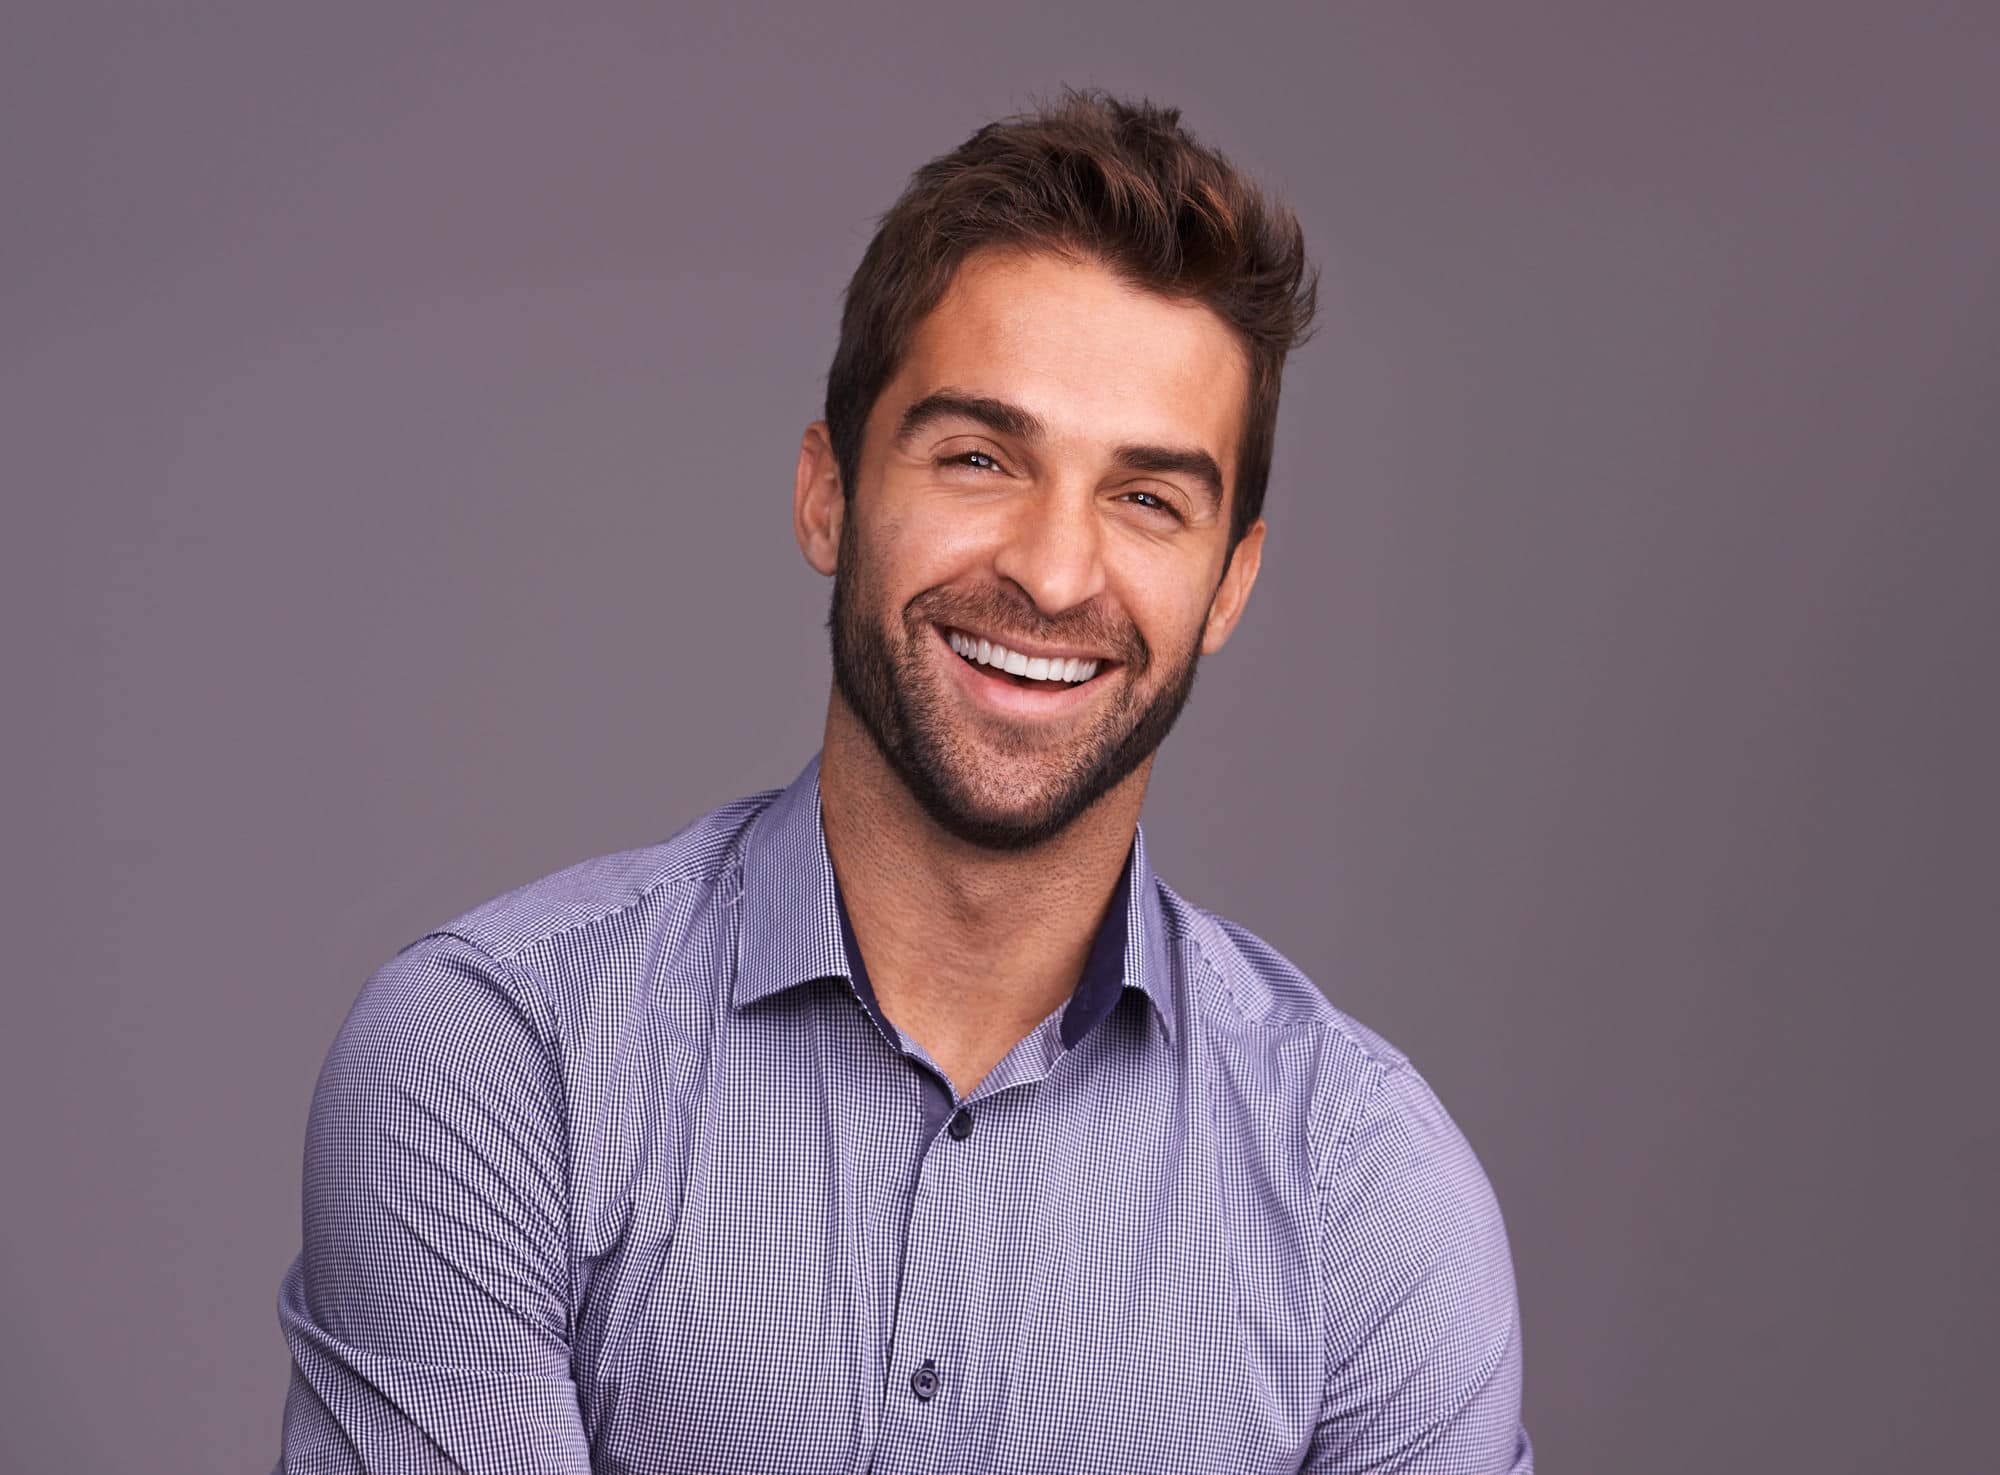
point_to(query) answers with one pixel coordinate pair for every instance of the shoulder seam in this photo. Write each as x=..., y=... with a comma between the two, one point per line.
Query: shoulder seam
x=682, y=876
x=523, y=985
x=1336, y=1027
x=650, y=889
x=1342, y=1148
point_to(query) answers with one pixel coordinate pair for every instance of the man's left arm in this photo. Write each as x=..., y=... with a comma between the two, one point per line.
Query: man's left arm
x=1423, y=1326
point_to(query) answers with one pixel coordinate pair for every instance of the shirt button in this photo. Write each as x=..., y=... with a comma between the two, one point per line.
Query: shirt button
x=961, y=1124
x=924, y=1381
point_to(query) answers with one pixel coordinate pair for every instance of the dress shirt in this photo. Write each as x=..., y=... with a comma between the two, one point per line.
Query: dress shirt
x=626, y=1172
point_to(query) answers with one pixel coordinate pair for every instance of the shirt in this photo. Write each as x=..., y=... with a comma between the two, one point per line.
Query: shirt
x=624, y=1172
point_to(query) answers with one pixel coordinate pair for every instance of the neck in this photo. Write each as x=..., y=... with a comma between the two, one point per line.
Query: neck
x=967, y=949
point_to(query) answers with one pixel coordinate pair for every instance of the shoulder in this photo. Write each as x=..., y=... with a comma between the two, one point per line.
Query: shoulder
x=581, y=955
x=1273, y=1032
x=1271, y=1028
x=1403, y=1202
x=1250, y=985
x=594, y=894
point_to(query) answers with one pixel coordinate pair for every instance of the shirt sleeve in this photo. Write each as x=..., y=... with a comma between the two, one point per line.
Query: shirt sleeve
x=428, y=1312
x=1423, y=1326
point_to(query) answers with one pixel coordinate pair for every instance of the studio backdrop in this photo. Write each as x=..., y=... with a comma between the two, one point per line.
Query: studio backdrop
x=397, y=411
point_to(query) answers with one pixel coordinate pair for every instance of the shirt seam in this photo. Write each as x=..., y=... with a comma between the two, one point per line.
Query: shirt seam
x=1336, y=1026
x=541, y=1015
x=726, y=862
x=1337, y=1159
x=711, y=873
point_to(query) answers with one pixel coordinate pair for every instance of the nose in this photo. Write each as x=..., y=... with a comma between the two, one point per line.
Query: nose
x=1053, y=550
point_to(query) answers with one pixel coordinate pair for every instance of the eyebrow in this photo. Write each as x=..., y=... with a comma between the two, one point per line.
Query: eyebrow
x=1012, y=420
x=949, y=404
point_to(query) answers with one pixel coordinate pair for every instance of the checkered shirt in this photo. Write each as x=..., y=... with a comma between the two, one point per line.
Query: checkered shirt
x=624, y=1172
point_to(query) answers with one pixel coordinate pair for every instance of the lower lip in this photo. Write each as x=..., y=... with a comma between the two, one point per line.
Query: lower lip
x=1002, y=695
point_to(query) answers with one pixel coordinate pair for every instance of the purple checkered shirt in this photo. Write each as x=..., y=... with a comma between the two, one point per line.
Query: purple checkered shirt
x=624, y=1172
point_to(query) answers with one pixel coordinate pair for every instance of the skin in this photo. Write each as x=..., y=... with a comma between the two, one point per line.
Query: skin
x=978, y=865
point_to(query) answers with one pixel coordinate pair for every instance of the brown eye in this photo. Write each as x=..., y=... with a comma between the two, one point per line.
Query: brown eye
x=977, y=460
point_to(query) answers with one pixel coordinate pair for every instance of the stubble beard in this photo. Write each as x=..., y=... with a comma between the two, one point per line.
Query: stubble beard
x=893, y=690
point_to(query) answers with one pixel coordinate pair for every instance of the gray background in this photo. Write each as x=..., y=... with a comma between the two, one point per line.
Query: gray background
x=399, y=409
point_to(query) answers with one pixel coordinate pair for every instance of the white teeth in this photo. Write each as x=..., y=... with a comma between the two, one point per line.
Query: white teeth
x=1038, y=668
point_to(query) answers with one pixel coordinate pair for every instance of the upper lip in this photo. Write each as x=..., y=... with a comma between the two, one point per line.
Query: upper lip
x=1030, y=649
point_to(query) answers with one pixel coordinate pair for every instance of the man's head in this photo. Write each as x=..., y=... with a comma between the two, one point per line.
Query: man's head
x=1049, y=426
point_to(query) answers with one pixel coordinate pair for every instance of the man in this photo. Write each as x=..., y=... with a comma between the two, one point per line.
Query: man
x=903, y=1119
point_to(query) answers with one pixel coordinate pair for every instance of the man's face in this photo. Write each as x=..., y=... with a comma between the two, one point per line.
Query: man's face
x=1050, y=472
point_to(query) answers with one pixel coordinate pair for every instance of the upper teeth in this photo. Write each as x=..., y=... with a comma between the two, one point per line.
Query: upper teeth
x=1035, y=668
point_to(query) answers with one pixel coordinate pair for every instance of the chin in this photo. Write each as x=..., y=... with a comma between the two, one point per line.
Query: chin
x=997, y=817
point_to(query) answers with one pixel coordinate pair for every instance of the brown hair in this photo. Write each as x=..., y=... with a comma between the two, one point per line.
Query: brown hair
x=1116, y=182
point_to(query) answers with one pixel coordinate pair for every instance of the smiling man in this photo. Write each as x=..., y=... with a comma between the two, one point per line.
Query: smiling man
x=903, y=1119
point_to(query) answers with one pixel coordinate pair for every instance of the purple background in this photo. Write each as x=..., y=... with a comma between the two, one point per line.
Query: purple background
x=398, y=407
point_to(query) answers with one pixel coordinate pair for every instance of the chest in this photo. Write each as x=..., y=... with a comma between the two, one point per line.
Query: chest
x=1099, y=1274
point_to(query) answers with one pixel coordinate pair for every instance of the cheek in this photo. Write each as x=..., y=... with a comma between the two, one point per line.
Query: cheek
x=897, y=559
x=923, y=548
x=1167, y=601
x=1181, y=639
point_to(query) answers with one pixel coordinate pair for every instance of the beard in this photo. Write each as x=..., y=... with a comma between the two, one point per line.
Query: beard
x=1000, y=788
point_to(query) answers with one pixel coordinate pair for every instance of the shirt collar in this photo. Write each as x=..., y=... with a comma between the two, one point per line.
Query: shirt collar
x=793, y=923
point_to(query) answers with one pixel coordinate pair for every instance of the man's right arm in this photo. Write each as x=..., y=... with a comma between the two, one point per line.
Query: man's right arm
x=428, y=1314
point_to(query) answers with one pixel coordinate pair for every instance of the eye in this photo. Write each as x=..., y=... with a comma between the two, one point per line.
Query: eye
x=977, y=460
x=1154, y=502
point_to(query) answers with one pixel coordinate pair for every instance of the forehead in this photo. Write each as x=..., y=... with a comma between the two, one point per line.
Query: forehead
x=1099, y=361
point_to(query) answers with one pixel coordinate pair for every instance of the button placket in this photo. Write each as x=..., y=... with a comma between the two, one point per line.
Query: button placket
x=935, y=1293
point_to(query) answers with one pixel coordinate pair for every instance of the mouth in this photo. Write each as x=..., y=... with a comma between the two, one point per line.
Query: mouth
x=1018, y=681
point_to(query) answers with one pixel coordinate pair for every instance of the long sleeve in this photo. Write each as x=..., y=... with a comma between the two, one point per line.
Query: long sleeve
x=1423, y=1327
x=428, y=1313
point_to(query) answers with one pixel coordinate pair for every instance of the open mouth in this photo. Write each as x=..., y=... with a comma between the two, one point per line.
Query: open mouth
x=1034, y=673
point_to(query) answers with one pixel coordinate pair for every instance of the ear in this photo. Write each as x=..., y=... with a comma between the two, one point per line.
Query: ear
x=818, y=504
x=1234, y=591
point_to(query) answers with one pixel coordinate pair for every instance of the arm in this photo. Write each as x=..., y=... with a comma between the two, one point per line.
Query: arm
x=428, y=1315
x=1423, y=1329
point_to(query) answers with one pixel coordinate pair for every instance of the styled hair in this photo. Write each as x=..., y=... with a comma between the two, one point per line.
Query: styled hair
x=1100, y=179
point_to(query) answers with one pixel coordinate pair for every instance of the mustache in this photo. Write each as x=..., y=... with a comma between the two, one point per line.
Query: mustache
x=999, y=612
